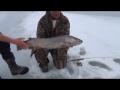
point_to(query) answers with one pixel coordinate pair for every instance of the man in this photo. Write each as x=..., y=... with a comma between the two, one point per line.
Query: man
x=8, y=56
x=52, y=24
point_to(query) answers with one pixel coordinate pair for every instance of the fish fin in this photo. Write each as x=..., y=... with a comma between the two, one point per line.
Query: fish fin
x=32, y=52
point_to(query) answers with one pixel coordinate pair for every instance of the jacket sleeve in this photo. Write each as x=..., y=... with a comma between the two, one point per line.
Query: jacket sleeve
x=40, y=30
x=66, y=30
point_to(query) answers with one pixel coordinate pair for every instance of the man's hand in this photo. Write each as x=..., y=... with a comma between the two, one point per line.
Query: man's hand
x=36, y=47
x=20, y=43
x=65, y=46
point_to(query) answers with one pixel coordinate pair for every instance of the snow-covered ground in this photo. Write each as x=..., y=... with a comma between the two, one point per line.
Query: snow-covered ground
x=99, y=31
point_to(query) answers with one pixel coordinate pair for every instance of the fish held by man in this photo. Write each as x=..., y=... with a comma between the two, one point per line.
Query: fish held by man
x=53, y=42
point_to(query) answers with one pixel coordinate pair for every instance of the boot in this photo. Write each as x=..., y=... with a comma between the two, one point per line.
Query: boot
x=60, y=64
x=44, y=67
x=16, y=69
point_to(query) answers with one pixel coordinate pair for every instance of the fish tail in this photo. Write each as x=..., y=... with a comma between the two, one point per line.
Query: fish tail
x=19, y=48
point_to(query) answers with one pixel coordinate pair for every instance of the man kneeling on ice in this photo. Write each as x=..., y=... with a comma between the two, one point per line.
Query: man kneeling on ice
x=52, y=24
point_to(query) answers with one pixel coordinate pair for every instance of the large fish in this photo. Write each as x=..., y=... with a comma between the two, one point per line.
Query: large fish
x=53, y=42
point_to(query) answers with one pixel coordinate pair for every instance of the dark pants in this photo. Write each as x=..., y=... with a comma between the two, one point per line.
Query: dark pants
x=5, y=50
x=59, y=57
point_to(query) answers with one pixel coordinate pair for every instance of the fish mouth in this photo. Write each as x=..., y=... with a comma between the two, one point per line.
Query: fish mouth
x=77, y=43
x=81, y=41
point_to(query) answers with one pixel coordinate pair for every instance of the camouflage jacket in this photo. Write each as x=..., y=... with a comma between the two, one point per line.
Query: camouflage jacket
x=45, y=26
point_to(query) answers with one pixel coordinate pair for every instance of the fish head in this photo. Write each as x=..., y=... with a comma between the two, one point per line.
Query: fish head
x=73, y=41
